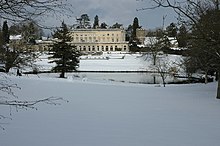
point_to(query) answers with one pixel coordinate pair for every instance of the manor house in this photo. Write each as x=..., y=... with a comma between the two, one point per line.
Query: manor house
x=95, y=40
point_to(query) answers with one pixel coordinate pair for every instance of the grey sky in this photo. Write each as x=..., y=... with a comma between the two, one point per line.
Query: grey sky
x=121, y=11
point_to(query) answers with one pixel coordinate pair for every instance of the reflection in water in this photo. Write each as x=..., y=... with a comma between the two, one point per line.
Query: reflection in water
x=143, y=78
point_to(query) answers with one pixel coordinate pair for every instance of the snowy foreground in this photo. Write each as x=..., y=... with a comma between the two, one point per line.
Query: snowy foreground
x=113, y=114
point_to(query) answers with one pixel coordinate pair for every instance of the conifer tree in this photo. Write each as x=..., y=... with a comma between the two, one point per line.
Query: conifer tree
x=171, y=30
x=182, y=36
x=5, y=33
x=96, y=22
x=7, y=56
x=135, y=26
x=116, y=25
x=64, y=54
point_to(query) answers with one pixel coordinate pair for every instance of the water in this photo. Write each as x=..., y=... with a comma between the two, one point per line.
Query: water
x=141, y=78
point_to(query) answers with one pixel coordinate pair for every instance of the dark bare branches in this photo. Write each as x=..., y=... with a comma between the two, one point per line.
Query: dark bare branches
x=186, y=9
x=23, y=10
x=30, y=104
x=6, y=87
x=10, y=100
x=202, y=19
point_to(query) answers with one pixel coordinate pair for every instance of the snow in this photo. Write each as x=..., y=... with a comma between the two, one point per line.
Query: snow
x=130, y=62
x=112, y=114
x=173, y=41
x=149, y=41
x=108, y=113
x=15, y=37
x=108, y=62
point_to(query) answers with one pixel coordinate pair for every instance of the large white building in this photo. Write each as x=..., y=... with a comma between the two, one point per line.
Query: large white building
x=96, y=40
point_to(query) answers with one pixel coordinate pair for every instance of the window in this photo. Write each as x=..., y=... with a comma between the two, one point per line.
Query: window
x=106, y=48
x=90, y=39
x=111, y=48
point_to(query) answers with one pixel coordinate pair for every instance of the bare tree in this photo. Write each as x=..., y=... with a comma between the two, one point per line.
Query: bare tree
x=19, y=11
x=163, y=67
x=10, y=100
x=190, y=13
x=156, y=43
x=26, y=10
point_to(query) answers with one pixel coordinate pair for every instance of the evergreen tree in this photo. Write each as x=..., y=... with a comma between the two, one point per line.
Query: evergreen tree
x=83, y=21
x=204, y=17
x=134, y=28
x=205, y=45
x=116, y=25
x=182, y=36
x=128, y=33
x=13, y=56
x=1, y=41
x=171, y=30
x=104, y=25
x=29, y=30
x=7, y=56
x=64, y=54
x=96, y=22
x=5, y=33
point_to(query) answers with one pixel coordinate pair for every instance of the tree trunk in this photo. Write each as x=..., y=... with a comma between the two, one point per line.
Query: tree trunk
x=163, y=79
x=206, y=77
x=7, y=67
x=154, y=80
x=154, y=59
x=62, y=75
x=218, y=90
x=217, y=4
x=164, y=84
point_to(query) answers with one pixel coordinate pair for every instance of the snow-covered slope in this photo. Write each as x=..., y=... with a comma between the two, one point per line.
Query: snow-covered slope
x=114, y=115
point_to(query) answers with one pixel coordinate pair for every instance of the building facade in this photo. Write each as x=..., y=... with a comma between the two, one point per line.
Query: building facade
x=97, y=40
x=141, y=34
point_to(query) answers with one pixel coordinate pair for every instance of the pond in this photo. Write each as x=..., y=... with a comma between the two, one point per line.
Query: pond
x=139, y=78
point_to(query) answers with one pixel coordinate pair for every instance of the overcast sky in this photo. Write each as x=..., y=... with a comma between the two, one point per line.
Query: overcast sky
x=121, y=11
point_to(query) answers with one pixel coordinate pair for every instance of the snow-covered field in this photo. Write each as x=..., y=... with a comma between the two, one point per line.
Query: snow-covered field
x=130, y=62
x=109, y=62
x=105, y=113
x=112, y=114
x=114, y=62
